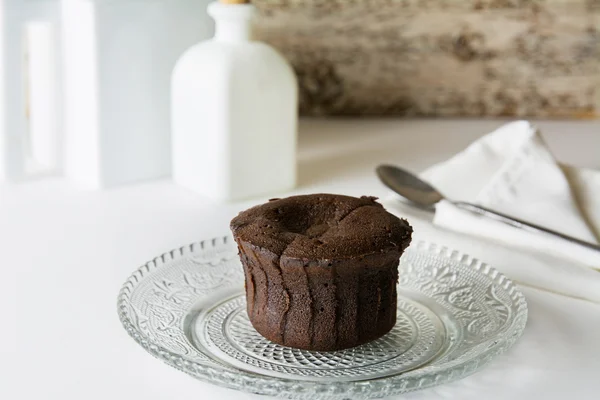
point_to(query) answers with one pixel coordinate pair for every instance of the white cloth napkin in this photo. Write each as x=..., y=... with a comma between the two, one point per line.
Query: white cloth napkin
x=511, y=170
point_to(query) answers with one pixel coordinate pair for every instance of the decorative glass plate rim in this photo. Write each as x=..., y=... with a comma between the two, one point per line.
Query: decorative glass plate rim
x=230, y=377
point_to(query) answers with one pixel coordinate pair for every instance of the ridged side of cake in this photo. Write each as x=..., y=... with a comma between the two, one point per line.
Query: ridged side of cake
x=322, y=305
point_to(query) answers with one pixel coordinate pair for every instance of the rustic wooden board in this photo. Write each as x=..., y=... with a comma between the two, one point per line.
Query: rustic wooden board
x=440, y=57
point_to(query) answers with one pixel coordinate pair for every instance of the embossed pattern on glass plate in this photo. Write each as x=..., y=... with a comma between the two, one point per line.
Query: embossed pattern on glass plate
x=226, y=332
x=176, y=305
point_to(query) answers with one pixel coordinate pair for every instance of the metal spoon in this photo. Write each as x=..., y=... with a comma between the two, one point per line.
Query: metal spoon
x=422, y=194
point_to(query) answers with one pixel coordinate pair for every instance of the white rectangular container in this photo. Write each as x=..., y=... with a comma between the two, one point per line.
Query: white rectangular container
x=118, y=59
x=30, y=95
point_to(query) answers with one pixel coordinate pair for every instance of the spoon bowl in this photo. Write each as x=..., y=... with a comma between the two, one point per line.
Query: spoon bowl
x=408, y=185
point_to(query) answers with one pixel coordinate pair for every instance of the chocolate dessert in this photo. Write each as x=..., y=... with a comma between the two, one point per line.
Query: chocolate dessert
x=321, y=270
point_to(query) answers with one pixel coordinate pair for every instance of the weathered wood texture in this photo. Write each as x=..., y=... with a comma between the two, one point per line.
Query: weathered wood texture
x=440, y=57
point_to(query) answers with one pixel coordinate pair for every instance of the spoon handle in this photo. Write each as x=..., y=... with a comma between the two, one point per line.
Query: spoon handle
x=519, y=223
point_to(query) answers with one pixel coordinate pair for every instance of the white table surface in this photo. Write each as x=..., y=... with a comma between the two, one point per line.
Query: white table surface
x=69, y=251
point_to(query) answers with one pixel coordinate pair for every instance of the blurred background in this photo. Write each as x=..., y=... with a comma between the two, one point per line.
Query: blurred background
x=85, y=85
x=440, y=58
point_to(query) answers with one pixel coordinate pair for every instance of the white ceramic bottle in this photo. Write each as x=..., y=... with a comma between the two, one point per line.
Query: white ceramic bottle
x=234, y=112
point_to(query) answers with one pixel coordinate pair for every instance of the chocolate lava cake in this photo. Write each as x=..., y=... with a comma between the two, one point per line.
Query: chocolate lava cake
x=321, y=269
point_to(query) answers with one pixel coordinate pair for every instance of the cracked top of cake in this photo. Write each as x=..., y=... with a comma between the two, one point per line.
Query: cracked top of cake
x=322, y=226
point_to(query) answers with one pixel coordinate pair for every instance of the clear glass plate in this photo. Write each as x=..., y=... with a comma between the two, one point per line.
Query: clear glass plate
x=455, y=314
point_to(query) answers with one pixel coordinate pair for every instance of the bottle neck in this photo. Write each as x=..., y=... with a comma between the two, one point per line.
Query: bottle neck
x=228, y=31
x=233, y=22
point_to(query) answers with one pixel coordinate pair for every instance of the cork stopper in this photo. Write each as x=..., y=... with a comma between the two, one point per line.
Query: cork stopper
x=234, y=1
